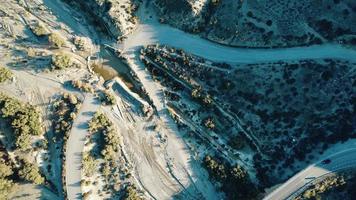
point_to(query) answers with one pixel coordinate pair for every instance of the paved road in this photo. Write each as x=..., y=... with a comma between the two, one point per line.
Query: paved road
x=75, y=146
x=341, y=160
x=152, y=32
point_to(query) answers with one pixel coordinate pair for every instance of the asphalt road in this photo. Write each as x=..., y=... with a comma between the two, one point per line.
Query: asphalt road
x=150, y=31
x=75, y=147
x=339, y=161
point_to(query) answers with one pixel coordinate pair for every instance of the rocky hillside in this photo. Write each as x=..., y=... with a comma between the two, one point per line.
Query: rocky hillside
x=262, y=23
x=116, y=15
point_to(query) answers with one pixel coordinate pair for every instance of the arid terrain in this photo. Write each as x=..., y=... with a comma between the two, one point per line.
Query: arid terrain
x=158, y=99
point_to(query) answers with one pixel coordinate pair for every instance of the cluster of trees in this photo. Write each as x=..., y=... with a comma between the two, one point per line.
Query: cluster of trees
x=27, y=172
x=54, y=39
x=61, y=61
x=100, y=124
x=83, y=86
x=106, y=146
x=235, y=181
x=65, y=110
x=25, y=120
x=30, y=172
x=5, y=74
x=315, y=191
x=198, y=94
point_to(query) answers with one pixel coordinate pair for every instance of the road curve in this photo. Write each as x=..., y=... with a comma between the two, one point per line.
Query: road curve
x=154, y=33
x=341, y=160
x=75, y=147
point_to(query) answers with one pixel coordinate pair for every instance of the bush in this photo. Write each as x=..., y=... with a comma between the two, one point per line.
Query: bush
x=56, y=40
x=5, y=74
x=108, y=98
x=83, y=86
x=209, y=123
x=39, y=30
x=31, y=172
x=61, y=61
x=81, y=43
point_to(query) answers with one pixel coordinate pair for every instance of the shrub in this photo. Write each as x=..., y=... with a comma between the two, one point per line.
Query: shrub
x=89, y=165
x=5, y=169
x=39, y=30
x=83, y=86
x=108, y=98
x=81, y=43
x=209, y=123
x=56, y=40
x=5, y=74
x=61, y=61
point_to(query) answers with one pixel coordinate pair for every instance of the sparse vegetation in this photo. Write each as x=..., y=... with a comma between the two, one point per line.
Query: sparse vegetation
x=5, y=74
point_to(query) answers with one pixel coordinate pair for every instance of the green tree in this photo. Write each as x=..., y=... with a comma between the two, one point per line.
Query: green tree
x=30, y=172
x=61, y=61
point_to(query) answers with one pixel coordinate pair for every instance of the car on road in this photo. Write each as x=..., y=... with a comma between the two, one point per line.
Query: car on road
x=326, y=161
